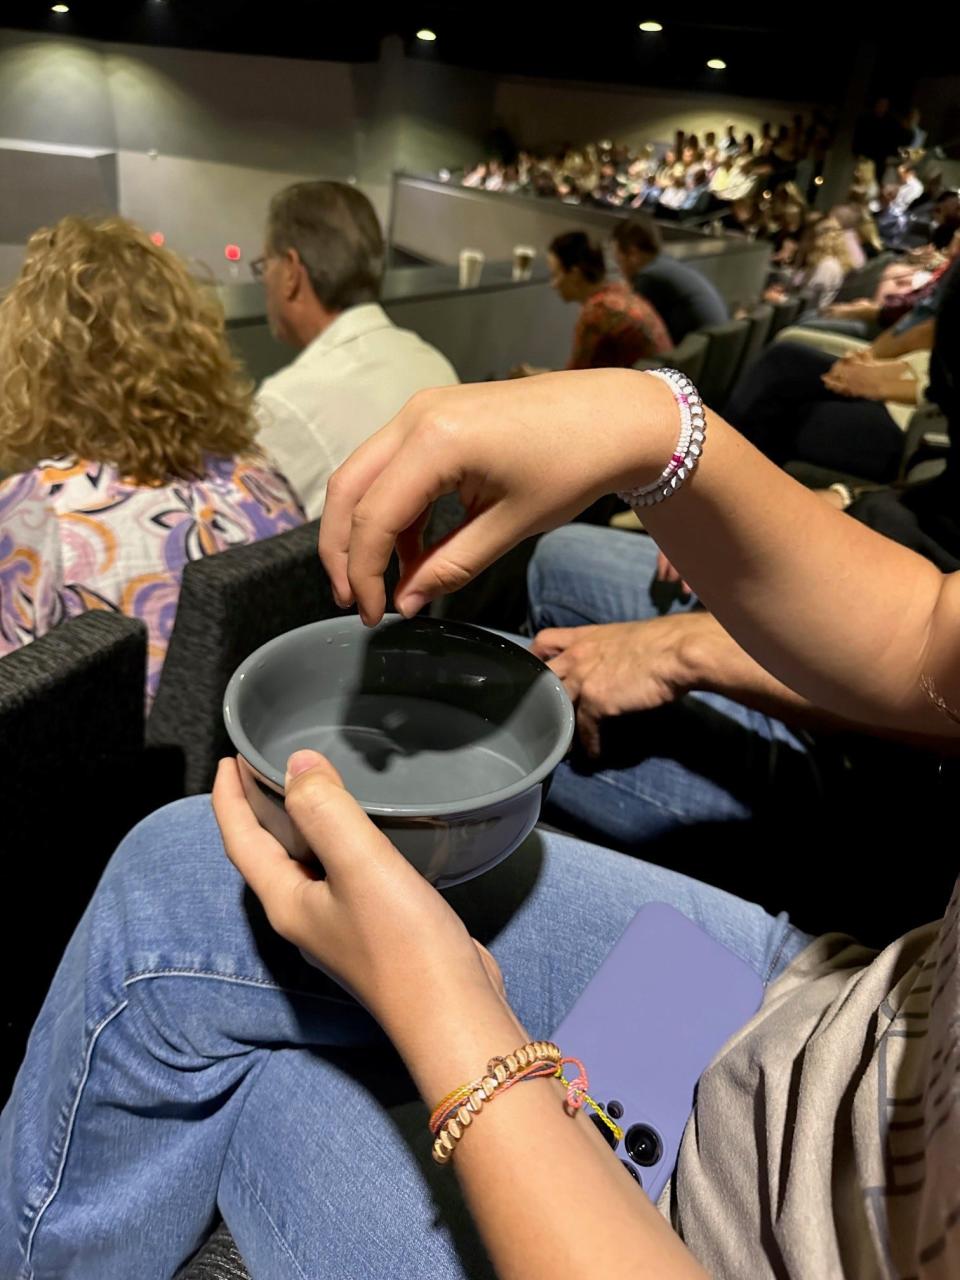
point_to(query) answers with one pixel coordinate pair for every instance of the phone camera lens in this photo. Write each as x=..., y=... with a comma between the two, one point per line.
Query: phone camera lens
x=615, y=1110
x=632, y=1172
x=643, y=1144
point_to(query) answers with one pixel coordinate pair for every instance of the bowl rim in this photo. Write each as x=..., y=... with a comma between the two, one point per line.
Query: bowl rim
x=448, y=808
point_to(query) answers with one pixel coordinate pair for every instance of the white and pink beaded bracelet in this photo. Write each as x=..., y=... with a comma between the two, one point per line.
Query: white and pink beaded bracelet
x=686, y=455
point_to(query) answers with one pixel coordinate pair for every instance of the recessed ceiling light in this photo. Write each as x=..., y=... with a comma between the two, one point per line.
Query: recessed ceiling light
x=59, y=8
x=717, y=64
x=818, y=181
x=651, y=26
x=426, y=34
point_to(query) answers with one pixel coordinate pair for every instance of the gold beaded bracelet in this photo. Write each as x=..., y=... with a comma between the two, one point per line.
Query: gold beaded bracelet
x=454, y=1113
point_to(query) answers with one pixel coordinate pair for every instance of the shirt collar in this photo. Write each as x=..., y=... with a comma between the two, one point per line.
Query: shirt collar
x=355, y=322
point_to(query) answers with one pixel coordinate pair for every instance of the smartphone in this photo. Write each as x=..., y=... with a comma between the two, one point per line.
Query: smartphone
x=654, y=1015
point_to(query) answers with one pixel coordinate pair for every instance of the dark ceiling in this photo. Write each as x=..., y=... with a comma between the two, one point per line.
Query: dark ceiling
x=803, y=55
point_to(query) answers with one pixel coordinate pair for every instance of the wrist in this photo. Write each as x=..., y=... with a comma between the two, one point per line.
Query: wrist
x=452, y=1041
x=649, y=425
x=703, y=655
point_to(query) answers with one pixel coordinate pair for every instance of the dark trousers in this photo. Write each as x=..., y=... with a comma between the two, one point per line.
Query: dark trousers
x=782, y=406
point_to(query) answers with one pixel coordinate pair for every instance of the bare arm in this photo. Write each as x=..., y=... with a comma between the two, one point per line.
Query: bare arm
x=617, y=668
x=550, y=1199
x=839, y=614
x=890, y=345
x=842, y=616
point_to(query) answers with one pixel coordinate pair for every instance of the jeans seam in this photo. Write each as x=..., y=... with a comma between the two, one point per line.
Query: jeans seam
x=278, y=1235
x=655, y=802
x=27, y=1270
x=775, y=958
x=67, y=1136
x=237, y=979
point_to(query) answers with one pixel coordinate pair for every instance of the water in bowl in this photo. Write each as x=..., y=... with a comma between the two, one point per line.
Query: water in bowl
x=393, y=749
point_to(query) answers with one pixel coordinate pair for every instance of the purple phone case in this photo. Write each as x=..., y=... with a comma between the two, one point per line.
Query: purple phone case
x=647, y=1025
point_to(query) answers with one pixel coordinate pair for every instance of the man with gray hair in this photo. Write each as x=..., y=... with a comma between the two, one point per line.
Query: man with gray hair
x=321, y=269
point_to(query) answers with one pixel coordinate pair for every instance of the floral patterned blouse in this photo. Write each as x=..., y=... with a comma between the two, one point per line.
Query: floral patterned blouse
x=76, y=536
x=617, y=328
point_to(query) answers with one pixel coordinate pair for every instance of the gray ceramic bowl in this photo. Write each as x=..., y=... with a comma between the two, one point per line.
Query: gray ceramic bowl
x=445, y=733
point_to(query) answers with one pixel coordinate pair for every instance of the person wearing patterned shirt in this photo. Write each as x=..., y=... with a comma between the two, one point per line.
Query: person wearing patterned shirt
x=129, y=430
x=616, y=327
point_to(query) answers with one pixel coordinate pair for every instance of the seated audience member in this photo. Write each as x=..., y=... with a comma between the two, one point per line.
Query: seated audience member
x=648, y=780
x=730, y=145
x=616, y=327
x=722, y=176
x=849, y=218
x=681, y=295
x=891, y=221
x=909, y=188
x=130, y=430
x=788, y=235
x=889, y=317
x=865, y=180
x=669, y=169
x=181, y=1062
x=322, y=270
x=867, y=232
x=744, y=216
x=798, y=404
x=823, y=262
x=674, y=194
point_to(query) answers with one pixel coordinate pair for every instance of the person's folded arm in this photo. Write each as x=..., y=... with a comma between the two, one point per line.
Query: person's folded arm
x=916, y=337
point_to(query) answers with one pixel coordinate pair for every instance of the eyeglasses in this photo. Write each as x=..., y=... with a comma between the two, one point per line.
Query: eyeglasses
x=257, y=267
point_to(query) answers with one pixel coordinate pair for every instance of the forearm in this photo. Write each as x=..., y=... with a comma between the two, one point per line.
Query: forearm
x=713, y=662
x=845, y=624
x=524, y=1163
x=890, y=345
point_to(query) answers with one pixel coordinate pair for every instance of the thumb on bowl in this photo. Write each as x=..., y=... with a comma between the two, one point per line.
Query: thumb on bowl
x=300, y=761
x=329, y=818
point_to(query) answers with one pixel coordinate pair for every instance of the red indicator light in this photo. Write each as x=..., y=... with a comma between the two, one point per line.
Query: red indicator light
x=232, y=253
x=158, y=238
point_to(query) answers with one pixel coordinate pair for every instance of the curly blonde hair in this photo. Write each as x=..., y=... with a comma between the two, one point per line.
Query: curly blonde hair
x=826, y=240
x=110, y=352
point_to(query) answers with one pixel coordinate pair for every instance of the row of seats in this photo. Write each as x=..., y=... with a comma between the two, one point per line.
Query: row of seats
x=72, y=725
x=715, y=357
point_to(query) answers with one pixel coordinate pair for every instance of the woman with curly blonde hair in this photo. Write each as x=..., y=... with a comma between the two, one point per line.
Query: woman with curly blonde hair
x=129, y=427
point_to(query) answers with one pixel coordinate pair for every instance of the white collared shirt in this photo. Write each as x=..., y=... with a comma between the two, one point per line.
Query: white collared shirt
x=347, y=384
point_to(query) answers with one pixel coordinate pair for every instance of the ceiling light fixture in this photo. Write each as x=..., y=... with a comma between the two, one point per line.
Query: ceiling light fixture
x=426, y=34
x=59, y=8
x=717, y=64
x=651, y=26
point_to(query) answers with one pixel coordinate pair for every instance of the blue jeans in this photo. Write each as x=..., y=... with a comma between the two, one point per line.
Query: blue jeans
x=188, y=1061
x=702, y=760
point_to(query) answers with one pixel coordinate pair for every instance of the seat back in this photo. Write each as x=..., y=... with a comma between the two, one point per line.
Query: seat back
x=73, y=782
x=687, y=356
x=724, y=356
x=784, y=313
x=230, y=604
x=760, y=320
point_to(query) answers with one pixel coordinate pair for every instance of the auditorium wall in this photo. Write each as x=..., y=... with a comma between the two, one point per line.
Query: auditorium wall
x=199, y=141
x=544, y=113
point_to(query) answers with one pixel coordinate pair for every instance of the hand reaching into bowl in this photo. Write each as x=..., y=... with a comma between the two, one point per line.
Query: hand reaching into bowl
x=524, y=455
x=760, y=551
